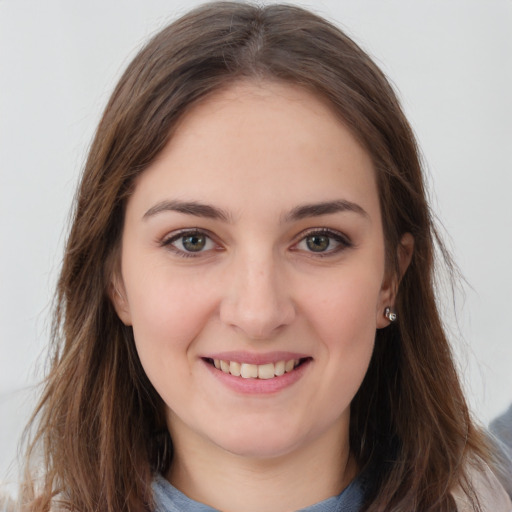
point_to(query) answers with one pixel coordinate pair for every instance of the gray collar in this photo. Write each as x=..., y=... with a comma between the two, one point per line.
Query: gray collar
x=169, y=499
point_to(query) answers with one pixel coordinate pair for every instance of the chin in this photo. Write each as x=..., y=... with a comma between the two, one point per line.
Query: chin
x=260, y=441
x=258, y=448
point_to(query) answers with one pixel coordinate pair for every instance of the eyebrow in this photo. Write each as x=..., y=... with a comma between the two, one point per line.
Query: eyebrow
x=324, y=208
x=212, y=212
x=189, y=208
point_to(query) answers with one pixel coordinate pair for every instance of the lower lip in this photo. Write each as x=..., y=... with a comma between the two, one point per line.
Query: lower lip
x=259, y=386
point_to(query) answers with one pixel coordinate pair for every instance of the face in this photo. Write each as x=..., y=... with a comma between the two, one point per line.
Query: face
x=253, y=272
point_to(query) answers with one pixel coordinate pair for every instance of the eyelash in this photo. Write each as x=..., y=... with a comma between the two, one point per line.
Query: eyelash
x=342, y=241
x=168, y=242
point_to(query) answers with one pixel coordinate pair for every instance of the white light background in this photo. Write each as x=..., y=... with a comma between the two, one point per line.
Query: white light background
x=451, y=62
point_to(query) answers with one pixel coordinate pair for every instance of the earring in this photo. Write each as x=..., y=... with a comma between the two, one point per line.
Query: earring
x=390, y=314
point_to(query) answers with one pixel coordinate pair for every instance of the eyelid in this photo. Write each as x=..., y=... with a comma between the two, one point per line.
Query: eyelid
x=339, y=237
x=342, y=239
x=169, y=239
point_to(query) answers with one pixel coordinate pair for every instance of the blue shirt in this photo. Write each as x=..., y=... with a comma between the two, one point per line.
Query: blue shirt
x=169, y=499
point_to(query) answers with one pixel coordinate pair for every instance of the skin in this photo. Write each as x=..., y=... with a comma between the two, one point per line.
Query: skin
x=257, y=152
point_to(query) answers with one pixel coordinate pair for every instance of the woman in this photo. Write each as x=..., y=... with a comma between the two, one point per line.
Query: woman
x=245, y=315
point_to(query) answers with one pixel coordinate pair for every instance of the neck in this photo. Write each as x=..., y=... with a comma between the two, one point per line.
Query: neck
x=229, y=482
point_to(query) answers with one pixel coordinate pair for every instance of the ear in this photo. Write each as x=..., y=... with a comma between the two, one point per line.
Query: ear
x=390, y=284
x=117, y=294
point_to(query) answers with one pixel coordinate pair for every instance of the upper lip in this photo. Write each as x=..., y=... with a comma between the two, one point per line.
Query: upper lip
x=255, y=358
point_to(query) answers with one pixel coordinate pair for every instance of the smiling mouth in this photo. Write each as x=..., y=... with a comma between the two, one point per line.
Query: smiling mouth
x=256, y=371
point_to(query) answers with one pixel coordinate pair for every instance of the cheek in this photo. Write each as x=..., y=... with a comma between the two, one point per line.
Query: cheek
x=344, y=318
x=167, y=312
x=347, y=307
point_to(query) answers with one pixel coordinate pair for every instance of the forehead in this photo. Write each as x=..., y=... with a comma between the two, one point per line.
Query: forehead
x=260, y=142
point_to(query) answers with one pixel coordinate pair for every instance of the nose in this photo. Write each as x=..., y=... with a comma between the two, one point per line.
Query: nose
x=257, y=298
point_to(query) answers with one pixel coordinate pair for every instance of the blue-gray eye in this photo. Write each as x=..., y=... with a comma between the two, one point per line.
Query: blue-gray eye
x=318, y=243
x=189, y=242
x=323, y=242
x=194, y=243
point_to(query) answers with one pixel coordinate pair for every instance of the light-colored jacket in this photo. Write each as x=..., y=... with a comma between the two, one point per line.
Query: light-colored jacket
x=490, y=492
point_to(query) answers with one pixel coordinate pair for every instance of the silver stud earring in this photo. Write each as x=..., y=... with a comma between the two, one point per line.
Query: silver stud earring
x=390, y=314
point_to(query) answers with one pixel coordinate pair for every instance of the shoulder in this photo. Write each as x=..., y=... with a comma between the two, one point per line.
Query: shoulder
x=6, y=504
x=490, y=493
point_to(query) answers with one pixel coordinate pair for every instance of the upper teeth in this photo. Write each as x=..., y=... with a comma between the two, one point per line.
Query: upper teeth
x=260, y=371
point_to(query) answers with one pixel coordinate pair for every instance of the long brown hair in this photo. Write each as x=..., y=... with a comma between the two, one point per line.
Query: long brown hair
x=100, y=431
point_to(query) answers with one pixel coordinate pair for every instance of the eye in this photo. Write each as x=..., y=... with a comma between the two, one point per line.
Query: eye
x=318, y=243
x=189, y=243
x=323, y=242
